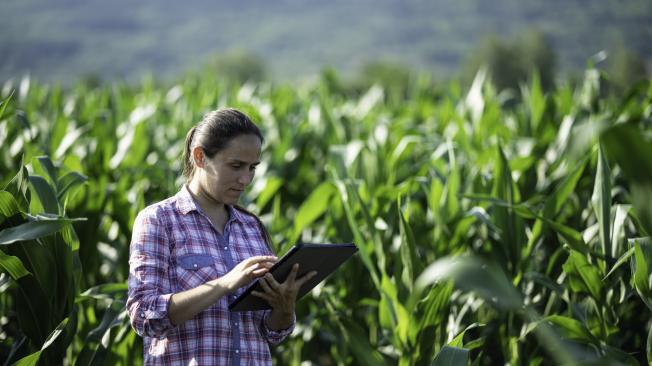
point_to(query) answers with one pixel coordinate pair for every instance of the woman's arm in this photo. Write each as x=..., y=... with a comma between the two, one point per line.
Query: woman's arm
x=185, y=305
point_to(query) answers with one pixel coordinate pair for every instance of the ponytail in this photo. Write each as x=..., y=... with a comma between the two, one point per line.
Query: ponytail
x=188, y=166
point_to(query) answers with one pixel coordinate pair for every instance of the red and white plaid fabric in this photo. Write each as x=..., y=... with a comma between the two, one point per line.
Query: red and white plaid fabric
x=174, y=248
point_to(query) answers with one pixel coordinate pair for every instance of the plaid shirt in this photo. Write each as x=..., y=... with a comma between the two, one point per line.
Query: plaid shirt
x=176, y=248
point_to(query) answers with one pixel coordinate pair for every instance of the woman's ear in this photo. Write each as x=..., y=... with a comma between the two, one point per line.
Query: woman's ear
x=198, y=156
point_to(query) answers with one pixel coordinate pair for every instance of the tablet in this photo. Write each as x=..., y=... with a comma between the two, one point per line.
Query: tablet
x=323, y=258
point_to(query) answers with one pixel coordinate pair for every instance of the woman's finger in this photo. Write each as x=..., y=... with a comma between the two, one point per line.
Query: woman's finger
x=272, y=282
x=262, y=295
x=293, y=275
x=259, y=259
x=265, y=285
x=301, y=281
x=260, y=272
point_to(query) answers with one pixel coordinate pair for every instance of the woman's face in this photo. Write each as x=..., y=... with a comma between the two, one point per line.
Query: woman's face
x=224, y=177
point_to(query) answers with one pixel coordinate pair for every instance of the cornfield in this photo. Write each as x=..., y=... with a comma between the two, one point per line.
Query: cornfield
x=492, y=227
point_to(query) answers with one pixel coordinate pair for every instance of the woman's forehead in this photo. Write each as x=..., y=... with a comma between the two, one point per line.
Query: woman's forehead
x=243, y=148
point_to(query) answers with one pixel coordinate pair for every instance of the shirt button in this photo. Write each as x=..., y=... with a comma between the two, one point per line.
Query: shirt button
x=195, y=265
x=237, y=351
x=225, y=248
x=142, y=315
x=236, y=324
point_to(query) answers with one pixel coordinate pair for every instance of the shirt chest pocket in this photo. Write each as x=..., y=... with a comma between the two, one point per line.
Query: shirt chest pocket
x=194, y=270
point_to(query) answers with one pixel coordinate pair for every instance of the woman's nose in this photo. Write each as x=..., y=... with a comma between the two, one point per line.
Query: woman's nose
x=246, y=178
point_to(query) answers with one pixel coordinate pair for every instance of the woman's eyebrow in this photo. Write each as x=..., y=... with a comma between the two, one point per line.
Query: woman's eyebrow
x=235, y=160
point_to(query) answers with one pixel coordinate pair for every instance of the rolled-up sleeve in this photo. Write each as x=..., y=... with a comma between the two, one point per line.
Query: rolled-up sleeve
x=275, y=336
x=149, y=285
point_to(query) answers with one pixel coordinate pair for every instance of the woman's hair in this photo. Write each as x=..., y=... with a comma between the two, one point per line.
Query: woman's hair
x=214, y=132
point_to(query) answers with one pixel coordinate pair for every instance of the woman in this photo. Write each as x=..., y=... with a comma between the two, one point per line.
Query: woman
x=193, y=253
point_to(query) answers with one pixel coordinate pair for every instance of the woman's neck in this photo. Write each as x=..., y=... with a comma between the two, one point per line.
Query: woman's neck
x=216, y=210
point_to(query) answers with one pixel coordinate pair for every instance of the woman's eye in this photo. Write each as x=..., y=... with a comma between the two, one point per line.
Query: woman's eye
x=235, y=166
x=253, y=169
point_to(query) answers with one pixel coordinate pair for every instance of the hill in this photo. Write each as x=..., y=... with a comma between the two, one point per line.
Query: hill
x=66, y=39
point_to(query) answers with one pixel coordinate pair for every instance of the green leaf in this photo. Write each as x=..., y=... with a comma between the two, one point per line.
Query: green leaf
x=315, y=206
x=472, y=274
x=450, y=202
x=601, y=200
x=583, y=276
x=46, y=194
x=563, y=191
x=407, y=250
x=13, y=266
x=8, y=206
x=357, y=340
x=623, y=259
x=32, y=230
x=48, y=166
x=536, y=102
x=69, y=182
x=33, y=359
x=458, y=341
x=627, y=145
x=641, y=275
x=97, y=342
x=572, y=329
x=30, y=360
x=4, y=104
x=19, y=188
x=271, y=187
x=451, y=356
x=104, y=291
x=432, y=307
x=511, y=226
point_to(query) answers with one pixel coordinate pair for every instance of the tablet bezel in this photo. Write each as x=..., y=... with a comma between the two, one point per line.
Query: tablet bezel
x=282, y=266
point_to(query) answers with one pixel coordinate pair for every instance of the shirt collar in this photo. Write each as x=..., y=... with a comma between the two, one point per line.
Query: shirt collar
x=185, y=204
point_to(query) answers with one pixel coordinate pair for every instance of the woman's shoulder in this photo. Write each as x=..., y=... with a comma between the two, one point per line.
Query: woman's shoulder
x=245, y=215
x=159, y=209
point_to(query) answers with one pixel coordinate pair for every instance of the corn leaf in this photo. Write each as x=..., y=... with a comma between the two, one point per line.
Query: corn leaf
x=572, y=329
x=472, y=274
x=641, y=268
x=33, y=358
x=13, y=266
x=19, y=188
x=313, y=207
x=451, y=356
x=628, y=146
x=4, y=104
x=407, y=251
x=8, y=206
x=46, y=195
x=601, y=200
x=583, y=276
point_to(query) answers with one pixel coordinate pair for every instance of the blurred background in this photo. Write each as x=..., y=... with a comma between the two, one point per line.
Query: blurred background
x=68, y=40
x=490, y=159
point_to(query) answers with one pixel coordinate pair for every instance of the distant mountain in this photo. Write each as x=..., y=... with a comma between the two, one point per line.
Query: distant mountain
x=66, y=39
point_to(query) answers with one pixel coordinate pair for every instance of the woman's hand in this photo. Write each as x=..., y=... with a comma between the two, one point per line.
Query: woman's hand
x=282, y=296
x=247, y=271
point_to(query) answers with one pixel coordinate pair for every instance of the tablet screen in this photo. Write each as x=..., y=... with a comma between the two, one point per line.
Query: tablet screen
x=323, y=258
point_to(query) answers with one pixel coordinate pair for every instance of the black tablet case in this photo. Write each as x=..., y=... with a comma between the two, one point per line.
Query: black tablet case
x=323, y=258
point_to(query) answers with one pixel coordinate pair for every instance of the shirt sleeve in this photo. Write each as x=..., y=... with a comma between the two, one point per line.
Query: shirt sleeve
x=149, y=288
x=275, y=336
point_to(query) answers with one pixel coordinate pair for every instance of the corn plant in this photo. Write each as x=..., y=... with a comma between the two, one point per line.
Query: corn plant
x=494, y=227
